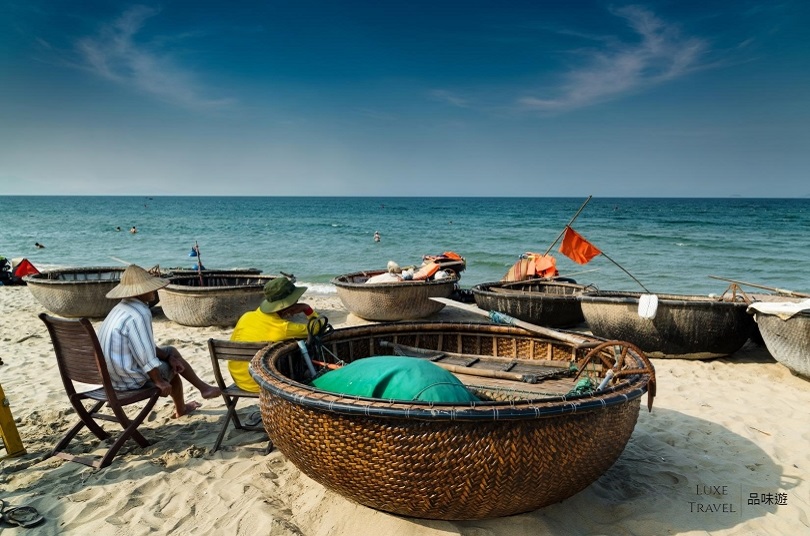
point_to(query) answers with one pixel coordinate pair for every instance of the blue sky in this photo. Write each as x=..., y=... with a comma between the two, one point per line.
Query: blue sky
x=388, y=98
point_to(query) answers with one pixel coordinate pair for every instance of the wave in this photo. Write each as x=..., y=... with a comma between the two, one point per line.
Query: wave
x=318, y=288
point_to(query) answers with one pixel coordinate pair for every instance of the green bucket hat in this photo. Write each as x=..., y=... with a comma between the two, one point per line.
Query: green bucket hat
x=280, y=293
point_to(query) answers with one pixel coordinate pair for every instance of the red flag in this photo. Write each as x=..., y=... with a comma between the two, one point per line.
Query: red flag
x=577, y=248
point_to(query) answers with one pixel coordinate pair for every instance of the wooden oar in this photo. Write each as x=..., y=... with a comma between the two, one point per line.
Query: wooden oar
x=499, y=374
x=500, y=318
x=435, y=355
x=772, y=289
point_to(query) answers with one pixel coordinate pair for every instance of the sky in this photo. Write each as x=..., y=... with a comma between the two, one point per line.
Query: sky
x=405, y=98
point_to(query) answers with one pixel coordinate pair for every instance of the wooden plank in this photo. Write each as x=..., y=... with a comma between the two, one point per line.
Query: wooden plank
x=427, y=353
x=553, y=387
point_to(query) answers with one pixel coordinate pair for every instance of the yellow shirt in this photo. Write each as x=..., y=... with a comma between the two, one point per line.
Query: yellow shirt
x=256, y=326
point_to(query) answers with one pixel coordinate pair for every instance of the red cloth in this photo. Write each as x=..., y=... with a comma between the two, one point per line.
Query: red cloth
x=577, y=248
x=543, y=266
x=25, y=268
x=531, y=265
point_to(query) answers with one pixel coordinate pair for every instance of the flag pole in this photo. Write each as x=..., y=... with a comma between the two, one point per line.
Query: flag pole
x=199, y=263
x=567, y=226
x=625, y=271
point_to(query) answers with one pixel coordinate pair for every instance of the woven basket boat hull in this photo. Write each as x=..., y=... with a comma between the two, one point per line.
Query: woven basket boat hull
x=788, y=341
x=443, y=461
x=76, y=292
x=220, y=301
x=539, y=301
x=685, y=326
x=389, y=302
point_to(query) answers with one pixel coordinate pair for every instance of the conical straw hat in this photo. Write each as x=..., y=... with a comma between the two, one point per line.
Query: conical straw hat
x=136, y=281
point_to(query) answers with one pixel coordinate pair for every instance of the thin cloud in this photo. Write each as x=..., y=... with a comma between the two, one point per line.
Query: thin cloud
x=116, y=55
x=619, y=69
x=449, y=97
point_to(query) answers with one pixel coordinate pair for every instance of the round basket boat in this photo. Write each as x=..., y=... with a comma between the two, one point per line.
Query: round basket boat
x=787, y=340
x=684, y=326
x=389, y=302
x=219, y=301
x=76, y=292
x=539, y=301
x=514, y=451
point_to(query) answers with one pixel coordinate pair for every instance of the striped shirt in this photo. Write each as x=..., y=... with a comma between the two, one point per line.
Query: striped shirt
x=128, y=344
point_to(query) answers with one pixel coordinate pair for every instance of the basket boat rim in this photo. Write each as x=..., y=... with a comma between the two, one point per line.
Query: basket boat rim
x=508, y=292
x=452, y=280
x=268, y=376
x=44, y=278
x=533, y=281
x=180, y=272
x=607, y=297
x=801, y=315
x=175, y=288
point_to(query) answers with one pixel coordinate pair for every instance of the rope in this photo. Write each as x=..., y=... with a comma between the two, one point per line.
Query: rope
x=318, y=328
x=583, y=387
x=436, y=384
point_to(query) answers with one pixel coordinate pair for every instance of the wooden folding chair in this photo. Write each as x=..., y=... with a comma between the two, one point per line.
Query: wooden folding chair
x=80, y=359
x=222, y=350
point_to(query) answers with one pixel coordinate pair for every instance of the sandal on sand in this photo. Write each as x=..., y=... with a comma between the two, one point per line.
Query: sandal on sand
x=254, y=420
x=24, y=516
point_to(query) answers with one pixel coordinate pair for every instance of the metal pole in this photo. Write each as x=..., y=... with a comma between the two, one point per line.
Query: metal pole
x=625, y=271
x=567, y=225
x=199, y=263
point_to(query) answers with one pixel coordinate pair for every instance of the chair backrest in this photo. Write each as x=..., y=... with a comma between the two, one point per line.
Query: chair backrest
x=222, y=350
x=78, y=352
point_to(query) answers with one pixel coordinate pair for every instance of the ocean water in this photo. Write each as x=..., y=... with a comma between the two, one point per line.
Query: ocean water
x=669, y=245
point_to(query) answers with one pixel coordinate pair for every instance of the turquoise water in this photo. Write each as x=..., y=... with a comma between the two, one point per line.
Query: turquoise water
x=670, y=245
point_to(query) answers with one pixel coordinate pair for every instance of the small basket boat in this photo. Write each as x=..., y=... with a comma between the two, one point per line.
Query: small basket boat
x=540, y=301
x=524, y=446
x=788, y=339
x=684, y=326
x=212, y=299
x=76, y=292
x=389, y=302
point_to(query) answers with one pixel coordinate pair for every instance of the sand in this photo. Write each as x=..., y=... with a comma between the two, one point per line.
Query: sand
x=720, y=431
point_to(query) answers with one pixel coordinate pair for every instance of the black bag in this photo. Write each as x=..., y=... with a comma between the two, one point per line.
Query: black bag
x=6, y=276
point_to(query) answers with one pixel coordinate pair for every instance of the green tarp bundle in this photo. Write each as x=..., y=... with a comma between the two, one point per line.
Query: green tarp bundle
x=395, y=378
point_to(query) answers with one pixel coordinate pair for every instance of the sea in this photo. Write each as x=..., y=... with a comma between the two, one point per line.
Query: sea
x=660, y=245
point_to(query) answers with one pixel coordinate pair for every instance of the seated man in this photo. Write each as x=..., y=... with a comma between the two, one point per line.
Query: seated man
x=270, y=323
x=128, y=344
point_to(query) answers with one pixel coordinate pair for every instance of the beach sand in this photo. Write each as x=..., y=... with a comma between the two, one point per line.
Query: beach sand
x=727, y=439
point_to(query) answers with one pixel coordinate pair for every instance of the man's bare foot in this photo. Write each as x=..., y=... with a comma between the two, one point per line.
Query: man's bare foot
x=190, y=406
x=210, y=392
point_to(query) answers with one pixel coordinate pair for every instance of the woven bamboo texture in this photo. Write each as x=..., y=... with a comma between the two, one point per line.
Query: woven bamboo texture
x=219, y=301
x=788, y=341
x=446, y=461
x=76, y=292
x=390, y=302
x=685, y=326
x=539, y=301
